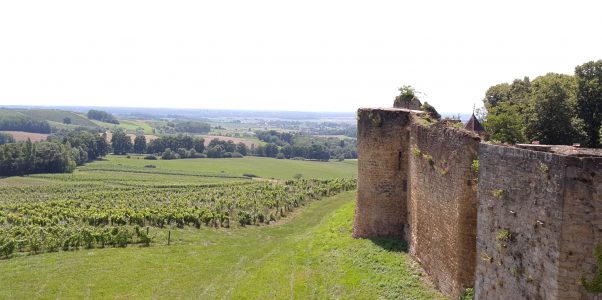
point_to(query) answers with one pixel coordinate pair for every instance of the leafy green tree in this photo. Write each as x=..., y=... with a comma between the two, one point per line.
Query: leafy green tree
x=122, y=144
x=551, y=120
x=589, y=99
x=241, y=148
x=140, y=144
x=271, y=150
x=506, y=125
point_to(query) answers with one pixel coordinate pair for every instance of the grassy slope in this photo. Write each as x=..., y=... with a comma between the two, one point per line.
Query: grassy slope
x=313, y=256
x=57, y=115
x=260, y=166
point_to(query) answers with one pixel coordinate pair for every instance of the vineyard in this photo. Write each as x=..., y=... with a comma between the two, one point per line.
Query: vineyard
x=98, y=208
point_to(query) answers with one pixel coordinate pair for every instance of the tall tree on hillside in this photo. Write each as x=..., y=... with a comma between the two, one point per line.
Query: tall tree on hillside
x=589, y=99
x=122, y=144
x=140, y=144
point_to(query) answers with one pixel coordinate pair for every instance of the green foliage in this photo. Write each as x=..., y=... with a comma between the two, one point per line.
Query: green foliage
x=407, y=98
x=589, y=103
x=121, y=143
x=503, y=235
x=505, y=124
x=30, y=158
x=475, y=167
x=74, y=212
x=497, y=193
x=468, y=294
x=102, y=116
x=553, y=110
x=595, y=285
x=416, y=152
x=140, y=144
x=192, y=127
x=6, y=138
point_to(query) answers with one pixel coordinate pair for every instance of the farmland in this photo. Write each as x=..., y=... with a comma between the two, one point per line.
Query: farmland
x=107, y=203
x=84, y=234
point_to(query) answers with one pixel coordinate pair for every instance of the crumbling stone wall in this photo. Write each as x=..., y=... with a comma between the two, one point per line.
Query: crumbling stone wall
x=442, y=206
x=382, y=149
x=539, y=216
x=429, y=199
x=527, y=230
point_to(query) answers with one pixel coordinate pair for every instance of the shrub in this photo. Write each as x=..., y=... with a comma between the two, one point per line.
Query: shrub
x=150, y=166
x=237, y=155
x=298, y=176
x=249, y=175
x=280, y=155
x=475, y=167
x=150, y=157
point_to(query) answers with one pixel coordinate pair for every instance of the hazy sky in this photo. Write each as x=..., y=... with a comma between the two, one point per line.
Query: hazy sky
x=285, y=55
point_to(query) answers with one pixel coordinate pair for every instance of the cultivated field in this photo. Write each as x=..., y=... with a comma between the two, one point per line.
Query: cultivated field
x=21, y=136
x=83, y=235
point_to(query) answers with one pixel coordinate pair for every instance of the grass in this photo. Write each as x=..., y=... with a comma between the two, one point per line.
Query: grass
x=57, y=115
x=260, y=166
x=312, y=256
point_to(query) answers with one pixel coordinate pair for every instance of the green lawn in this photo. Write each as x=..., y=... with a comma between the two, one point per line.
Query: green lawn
x=312, y=256
x=260, y=166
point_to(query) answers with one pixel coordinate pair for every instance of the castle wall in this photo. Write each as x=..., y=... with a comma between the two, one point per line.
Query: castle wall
x=383, y=137
x=442, y=207
x=582, y=227
x=526, y=230
x=539, y=217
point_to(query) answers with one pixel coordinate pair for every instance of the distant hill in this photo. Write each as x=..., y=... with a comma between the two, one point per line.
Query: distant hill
x=57, y=115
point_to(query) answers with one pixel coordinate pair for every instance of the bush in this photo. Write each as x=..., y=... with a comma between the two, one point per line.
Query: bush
x=199, y=155
x=237, y=155
x=249, y=175
x=150, y=166
x=150, y=157
x=280, y=155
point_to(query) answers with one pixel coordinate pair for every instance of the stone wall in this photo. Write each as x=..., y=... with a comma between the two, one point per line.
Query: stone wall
x=442, y=207
x=539, y=217
x=383, y=137
x=528, y=232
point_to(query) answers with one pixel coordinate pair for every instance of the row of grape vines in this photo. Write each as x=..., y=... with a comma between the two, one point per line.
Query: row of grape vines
x=66, y=216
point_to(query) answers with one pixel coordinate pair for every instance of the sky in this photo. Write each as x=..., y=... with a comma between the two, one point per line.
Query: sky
x=284, y=55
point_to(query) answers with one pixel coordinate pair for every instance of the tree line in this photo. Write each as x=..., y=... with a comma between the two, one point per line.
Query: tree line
x=552, y=109
x=24, y=124
x=298, y=145
x=102, y=116
x=60, y=154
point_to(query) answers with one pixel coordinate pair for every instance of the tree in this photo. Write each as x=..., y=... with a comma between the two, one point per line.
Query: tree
x=67, y=120
x=589, y=99
x=6, y=138
x=140, y=144
x=102, y=116
x=271, y=150
x=407, y=98
x=241, y=148
x=506, y=126
x=122, y=144
x=553, y=111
